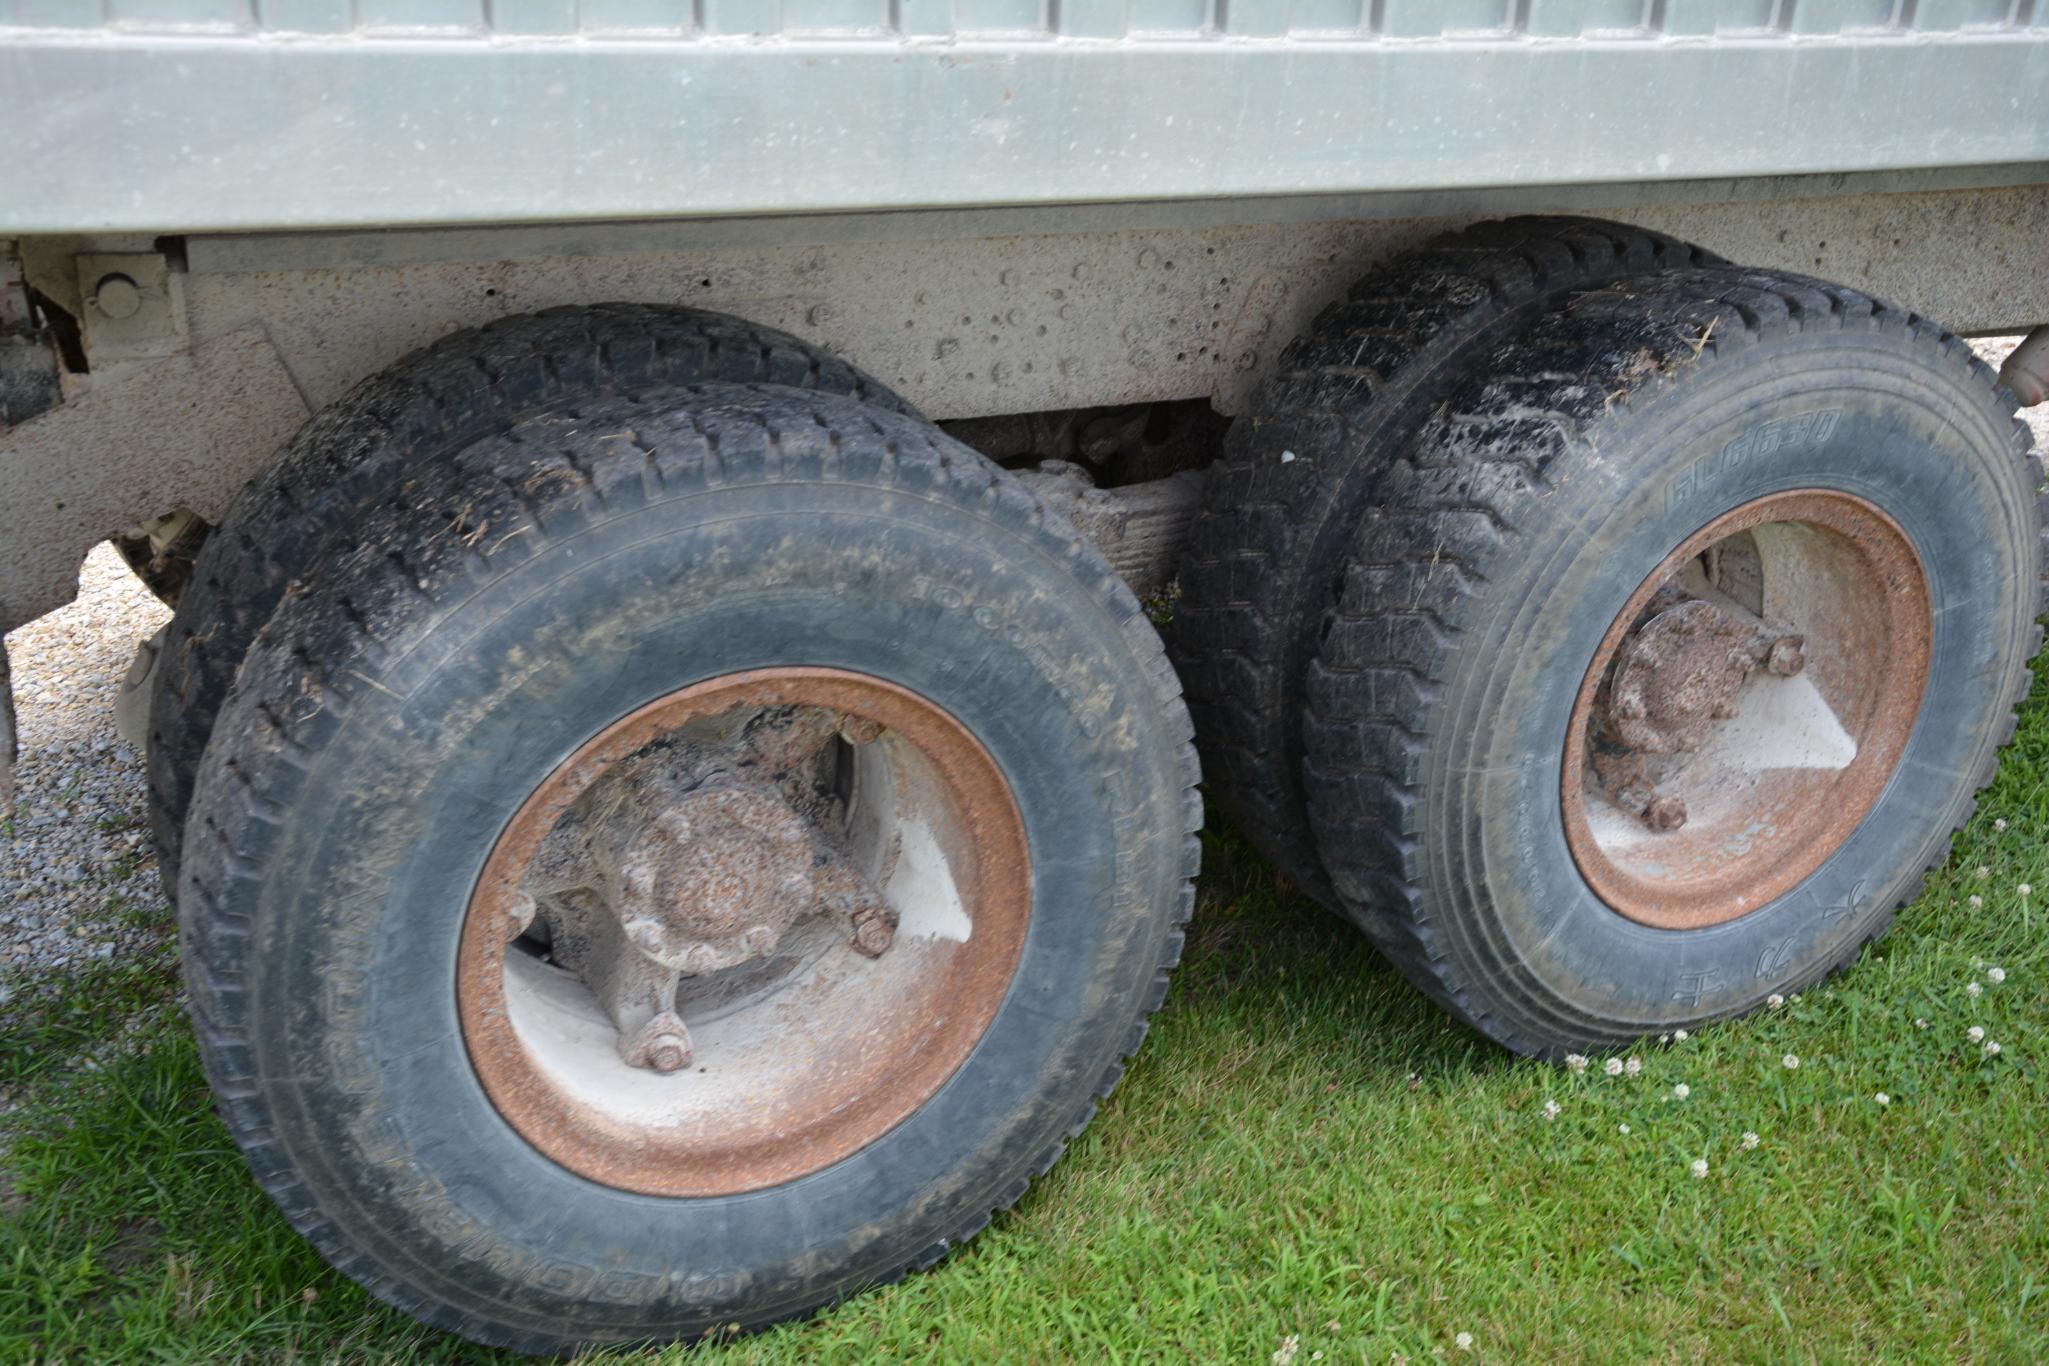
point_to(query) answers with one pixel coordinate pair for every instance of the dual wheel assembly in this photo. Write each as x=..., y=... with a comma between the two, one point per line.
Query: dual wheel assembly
x=665, y=838
x=1616, y=635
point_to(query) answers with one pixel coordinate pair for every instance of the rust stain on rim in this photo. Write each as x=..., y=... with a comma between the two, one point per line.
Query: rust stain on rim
x=885, y=1070
x=1869, y=632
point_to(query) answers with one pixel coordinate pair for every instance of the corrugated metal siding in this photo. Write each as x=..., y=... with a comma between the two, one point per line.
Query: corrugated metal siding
x=1335, y=20
x=187, y=115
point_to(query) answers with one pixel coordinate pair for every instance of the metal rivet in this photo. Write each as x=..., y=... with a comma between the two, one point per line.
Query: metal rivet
x=117, y=297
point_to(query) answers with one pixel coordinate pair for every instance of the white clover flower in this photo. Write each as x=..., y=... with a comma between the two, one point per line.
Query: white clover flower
x=1983, y=871
x=1973, y=989
x=1999, y=824
x=1681, y=1091
x=1575, y=1062
x=1920, y=1023
x=1681, y=1035
x=1991, y=1048
x=1794, y=998
x=1774, y=1000
x=1285, y=1353
x=2025, y=890
x=1613, y=1067
x=1995, y=975
x=1633, y=1066
x=1622, y=1129
x=1882, y=1099
x=1750, y=1139
x=1977, y=902
x=1664, y=1038
x=1699, y=1169
x=1464, y=1342
x=1976, y=1034
x=1790, y=1061
x=1552, y=1109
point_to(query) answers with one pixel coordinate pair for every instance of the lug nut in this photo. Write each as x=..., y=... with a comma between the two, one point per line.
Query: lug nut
x=1665, y=813
x=873, y=934
x=668, y=1053
x=859, y=730
x=1786, y=657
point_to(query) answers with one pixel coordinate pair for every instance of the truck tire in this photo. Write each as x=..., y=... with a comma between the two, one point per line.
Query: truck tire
x=350, y=455
x=1672, y=654
x=1260, y=577
x=807, y=705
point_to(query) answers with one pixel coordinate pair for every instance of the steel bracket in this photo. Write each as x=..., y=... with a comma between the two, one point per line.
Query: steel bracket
x=133, y=310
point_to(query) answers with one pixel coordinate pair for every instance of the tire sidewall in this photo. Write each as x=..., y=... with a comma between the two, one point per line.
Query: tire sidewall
x=1862, y=415
x=423, y=762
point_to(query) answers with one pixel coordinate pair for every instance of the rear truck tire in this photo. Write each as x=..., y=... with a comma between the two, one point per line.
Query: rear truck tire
x=356, y=450
x=1672, y=654
x=606, y=898
x=1266, y=556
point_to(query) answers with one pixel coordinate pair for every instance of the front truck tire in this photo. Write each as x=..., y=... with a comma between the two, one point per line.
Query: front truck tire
x=694, y=860
x=1673, y=653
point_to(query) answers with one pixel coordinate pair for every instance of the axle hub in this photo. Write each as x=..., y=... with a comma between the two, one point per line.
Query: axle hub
x=1677, y=674
x=697, y=891
x=697, y=857
x=715, y=879
x=1745, y=708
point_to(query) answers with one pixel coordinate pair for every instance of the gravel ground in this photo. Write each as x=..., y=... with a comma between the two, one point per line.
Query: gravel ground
x=77, y=881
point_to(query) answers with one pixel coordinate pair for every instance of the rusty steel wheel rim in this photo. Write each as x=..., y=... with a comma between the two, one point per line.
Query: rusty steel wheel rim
x=1746, y=709
x=830, y=957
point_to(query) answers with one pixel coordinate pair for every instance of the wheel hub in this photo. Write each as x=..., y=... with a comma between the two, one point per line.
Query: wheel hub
x=715, y=879
x=707, y=897
x=1746, y=708
x=1677, y=674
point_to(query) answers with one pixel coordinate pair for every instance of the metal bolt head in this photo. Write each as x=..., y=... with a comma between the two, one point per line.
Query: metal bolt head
x=859, y=730
x=1787, y=657
x=668, y=1053
x=117, y=297
x=873, y=935
x=1665, y=813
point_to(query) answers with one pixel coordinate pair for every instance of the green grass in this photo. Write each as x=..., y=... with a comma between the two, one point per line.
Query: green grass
x=1305, y=1149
